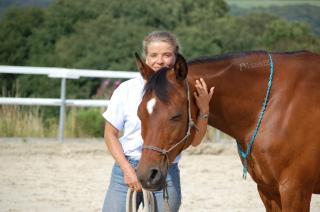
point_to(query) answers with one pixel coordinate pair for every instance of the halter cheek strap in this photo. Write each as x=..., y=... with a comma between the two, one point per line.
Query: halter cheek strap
x=191, y=124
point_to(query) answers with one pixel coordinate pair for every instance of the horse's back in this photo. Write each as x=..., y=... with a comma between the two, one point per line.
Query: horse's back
x=296, y=89
x=299, y=74
x=300, y=64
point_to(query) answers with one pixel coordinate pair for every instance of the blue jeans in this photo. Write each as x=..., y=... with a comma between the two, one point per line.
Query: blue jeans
x=115, y=200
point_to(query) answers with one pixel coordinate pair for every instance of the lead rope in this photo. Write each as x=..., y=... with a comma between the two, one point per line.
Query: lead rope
x=166, y=198
x=243, y=154
x=148, y=201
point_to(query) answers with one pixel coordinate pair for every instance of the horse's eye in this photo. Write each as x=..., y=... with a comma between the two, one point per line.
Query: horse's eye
x=176, y=117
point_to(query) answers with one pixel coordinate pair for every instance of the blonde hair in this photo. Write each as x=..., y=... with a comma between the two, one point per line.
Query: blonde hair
x=163, y=36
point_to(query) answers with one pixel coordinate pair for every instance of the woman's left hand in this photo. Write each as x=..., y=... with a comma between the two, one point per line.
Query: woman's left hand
x=203, y=96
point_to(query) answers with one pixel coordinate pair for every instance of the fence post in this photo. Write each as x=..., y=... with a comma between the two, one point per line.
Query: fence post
x=217, y=136
x=62, y=109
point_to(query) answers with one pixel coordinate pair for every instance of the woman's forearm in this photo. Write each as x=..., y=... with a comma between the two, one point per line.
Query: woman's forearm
x=114, y=146
x=202, y=124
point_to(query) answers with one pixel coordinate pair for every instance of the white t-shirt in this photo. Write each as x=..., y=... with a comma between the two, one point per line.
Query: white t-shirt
x=122, y=114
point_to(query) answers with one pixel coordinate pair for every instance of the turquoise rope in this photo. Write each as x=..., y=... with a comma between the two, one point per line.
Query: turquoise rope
x=243, y=154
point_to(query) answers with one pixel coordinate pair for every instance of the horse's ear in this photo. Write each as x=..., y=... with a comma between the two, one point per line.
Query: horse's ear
x=145, y=71
x=181, y=67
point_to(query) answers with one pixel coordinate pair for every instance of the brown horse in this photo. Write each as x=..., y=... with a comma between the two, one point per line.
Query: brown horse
x=284, y=159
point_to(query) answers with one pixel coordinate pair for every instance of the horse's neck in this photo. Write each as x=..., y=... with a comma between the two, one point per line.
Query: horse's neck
x=240, y=86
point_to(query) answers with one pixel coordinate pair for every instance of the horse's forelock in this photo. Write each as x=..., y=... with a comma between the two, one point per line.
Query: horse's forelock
x=159, y=84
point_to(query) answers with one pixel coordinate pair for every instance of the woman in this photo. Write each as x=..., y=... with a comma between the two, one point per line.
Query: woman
x=160, y=50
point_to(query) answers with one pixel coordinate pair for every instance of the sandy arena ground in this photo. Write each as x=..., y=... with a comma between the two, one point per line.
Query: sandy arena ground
x=44, y=175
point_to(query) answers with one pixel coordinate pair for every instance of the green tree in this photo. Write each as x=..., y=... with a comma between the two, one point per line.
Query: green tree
x=96, y=34
x=15, y=30
x=280, y=35
x=104, y=36
x=61, y=17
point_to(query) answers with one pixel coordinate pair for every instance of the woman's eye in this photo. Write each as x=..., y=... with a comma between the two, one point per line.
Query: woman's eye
x=153, y=55
x=168, y=55
x=175, y=117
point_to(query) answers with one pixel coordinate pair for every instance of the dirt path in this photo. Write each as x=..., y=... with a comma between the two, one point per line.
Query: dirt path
x=40, y=175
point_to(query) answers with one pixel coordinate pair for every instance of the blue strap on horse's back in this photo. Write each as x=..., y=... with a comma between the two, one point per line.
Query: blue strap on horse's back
x=243, y=154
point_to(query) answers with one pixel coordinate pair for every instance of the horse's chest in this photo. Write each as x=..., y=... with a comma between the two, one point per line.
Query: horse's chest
x=260, y=172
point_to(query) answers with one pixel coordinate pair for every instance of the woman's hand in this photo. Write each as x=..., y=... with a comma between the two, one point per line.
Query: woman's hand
x=111, y=135
x=202, y=96
x=131, y=179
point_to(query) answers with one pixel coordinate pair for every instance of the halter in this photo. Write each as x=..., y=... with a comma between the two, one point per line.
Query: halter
x=191, y=124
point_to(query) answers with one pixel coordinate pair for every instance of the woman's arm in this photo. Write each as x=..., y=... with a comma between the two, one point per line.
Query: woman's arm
x=203, y=97
x=111, y=135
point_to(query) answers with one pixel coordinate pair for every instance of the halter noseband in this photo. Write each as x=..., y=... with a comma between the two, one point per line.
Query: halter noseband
x=191, y=124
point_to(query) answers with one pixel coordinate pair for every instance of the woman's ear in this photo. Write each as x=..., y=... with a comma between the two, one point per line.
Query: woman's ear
x=181, y=67
x=145, y=71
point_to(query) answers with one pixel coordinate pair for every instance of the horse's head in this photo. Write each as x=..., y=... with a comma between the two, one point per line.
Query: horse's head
x=165, y=114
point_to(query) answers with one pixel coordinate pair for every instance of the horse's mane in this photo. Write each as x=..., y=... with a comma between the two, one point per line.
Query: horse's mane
x=159, y=84
x=212, y=58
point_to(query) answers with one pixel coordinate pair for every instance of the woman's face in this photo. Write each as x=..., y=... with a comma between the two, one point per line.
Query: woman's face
x=160, y=54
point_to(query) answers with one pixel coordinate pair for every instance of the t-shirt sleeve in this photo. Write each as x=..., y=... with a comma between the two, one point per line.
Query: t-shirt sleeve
x=115, y=111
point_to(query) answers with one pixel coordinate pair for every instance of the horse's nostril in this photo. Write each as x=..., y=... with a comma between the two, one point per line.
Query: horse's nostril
x=155, y=175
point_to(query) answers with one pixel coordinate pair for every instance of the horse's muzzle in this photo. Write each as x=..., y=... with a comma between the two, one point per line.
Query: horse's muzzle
x=152, y=179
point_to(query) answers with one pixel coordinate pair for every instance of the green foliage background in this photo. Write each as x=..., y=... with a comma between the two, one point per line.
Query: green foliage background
x=95, y=34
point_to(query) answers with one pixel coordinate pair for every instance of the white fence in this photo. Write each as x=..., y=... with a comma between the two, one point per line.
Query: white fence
x=64, y=74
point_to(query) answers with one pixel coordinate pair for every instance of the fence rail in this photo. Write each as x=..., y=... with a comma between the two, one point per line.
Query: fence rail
x=53, y=102
x=64, y=74
x=54, y=72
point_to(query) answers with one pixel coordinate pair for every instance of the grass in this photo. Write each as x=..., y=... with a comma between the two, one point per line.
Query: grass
x=22, y=122
x=245, y=4
x=28, y=121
